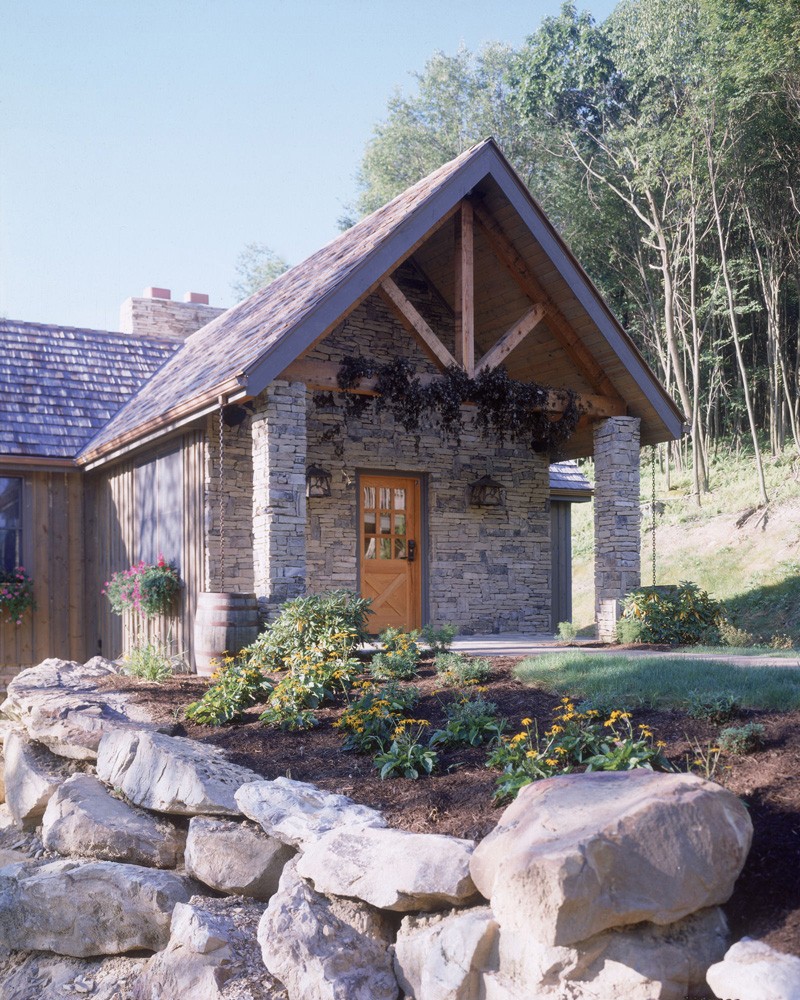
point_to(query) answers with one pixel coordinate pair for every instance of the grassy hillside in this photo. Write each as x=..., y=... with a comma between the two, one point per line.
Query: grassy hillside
x=747, y=556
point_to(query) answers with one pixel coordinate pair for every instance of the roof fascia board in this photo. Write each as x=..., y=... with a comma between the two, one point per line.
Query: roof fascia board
x=38, y=463
x=588, y=296
x=370, y=272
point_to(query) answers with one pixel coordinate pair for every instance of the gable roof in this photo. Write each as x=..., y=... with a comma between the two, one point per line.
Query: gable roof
x=244, y=349
x=62, y=384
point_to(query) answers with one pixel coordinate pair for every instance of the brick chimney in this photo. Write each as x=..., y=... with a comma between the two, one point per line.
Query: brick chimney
x=155, y=314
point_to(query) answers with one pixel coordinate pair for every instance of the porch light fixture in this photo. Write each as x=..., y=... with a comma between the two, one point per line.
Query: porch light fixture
x=318, y=482
x=486, y=492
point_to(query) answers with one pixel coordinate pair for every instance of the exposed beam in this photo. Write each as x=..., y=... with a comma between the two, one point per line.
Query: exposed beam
x=411, y=319
x=519, y=270
x=465, y=289
x=500, y=350
x=321, y=376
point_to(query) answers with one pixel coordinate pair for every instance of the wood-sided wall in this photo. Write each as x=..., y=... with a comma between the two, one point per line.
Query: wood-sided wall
x=112, y=525
x=52, y=554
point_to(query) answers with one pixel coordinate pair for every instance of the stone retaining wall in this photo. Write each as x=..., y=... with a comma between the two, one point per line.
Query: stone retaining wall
x=126, y=836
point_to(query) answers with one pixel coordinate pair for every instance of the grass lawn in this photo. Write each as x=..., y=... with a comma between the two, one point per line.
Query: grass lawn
x=660, y=681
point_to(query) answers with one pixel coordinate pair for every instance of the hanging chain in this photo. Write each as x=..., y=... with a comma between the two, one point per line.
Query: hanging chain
x=221, y=499
x=653, y=504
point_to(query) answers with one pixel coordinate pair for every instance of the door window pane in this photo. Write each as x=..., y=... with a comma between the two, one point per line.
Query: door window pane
x=369, y=498
x=400, y=548
x=369, y=522
x=399, y=524
x=399, y=499
x=369, y=548
x=386, y=499
x=386, y=548
x=386, y=524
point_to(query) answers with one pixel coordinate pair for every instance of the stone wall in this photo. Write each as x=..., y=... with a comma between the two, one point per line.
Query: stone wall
x=161, y=317
x=488, y=569
x=238, y=512
x=617, y=513
x=279, y=499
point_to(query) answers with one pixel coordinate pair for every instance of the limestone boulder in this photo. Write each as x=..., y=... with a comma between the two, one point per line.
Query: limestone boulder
x=88, y=908
x=60, y=706
x=235, y=857
x=84, y=820
x=323, y=952
x=577, y=854
x=299, y=813
x=751, y=970
x=391, y=869
x=212, y=954
x=5, y=728
x=171, y=774
x=641, y=962
x=32, y=775
x=41, y=976
x=444, y=956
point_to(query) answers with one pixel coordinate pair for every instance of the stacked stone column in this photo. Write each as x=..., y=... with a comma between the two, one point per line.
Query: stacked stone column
x=617, y=540
x=279, y=495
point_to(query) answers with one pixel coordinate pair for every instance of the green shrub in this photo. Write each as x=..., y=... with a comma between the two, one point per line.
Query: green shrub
x=439, y=639
x=407, y=755
x=456, y=670
x=333, y=622
x=399, y=658
x=682, y=615
x=150, y=661
x=719, y=706
x=238, y=685
x=731, y=635
x=370, y=721
x=566, y=631
x=314, y=676
x=471, y=720
x=575, y=740
x=742, y=740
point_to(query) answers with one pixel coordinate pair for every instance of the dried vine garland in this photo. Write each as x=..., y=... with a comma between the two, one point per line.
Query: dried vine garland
x=505, y=408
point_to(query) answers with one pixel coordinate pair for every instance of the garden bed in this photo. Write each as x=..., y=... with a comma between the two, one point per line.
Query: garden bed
x=458, y=798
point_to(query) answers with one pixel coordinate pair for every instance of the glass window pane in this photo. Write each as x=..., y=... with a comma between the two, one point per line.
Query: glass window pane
x=386, y=499
x=399, y=499
x=369, y=522
x=386, y=524
x=369, y=548
x=399, y=524
x=369, y=497
x=386, y=548
x=399, y=548
x=10, y=523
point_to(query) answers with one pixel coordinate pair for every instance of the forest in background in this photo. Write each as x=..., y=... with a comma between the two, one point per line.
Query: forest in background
x=664, y=144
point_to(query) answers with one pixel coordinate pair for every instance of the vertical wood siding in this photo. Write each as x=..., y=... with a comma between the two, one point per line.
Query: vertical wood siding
x=112, y=527
x=52, y=553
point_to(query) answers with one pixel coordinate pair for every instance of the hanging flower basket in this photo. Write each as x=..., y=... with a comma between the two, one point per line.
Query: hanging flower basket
x=16, y=595
x=146, y=589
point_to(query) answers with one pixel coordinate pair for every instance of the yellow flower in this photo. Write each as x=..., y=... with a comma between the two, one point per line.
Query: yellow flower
x=531, y=753
x=518, y=738
x=660, y=744
x=526, y=722
x=556, y=729
x=551, y=762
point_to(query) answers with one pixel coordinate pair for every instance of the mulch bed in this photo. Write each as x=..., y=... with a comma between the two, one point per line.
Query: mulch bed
x=458, y=799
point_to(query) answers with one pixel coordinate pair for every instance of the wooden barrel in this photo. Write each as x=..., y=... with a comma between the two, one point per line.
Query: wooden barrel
x=224, y=623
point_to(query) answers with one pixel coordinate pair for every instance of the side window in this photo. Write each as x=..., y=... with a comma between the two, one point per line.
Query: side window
x=159, y=508
x=10, y=523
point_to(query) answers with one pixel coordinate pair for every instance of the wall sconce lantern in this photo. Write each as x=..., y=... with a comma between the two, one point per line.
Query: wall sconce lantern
x=486, y=492
x=318, y=482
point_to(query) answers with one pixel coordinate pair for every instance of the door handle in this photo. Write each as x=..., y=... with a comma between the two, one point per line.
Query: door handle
x=412, y=550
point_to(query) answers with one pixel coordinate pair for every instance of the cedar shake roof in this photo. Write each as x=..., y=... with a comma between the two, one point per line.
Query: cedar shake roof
x=247, y=347
x=61, y=384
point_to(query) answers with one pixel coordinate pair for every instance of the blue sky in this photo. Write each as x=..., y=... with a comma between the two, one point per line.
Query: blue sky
x=145, y=143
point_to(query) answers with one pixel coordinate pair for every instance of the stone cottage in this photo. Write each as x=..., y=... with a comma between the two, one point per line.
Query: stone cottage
x=230, y=450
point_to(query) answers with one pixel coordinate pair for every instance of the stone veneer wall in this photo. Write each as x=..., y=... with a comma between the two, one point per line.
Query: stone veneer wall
x=279, y=497
x=617, y=513
x=149, y=317
x=488, y=569
x=238, y=473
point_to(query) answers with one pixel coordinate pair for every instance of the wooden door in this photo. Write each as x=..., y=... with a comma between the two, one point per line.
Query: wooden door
x=389, y=547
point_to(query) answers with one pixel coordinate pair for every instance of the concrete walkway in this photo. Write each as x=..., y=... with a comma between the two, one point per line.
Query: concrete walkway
x=534, y=645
